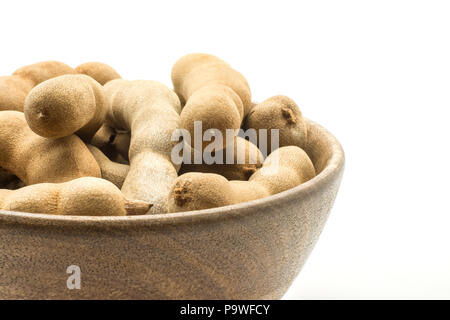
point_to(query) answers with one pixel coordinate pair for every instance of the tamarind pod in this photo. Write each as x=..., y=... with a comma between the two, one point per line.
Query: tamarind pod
x=283, y=169
x=34, y=159
x=66, y=105
x=280, y=113
x=150, y=111
x=101, y=72
x=215, y=95
x=80, y=197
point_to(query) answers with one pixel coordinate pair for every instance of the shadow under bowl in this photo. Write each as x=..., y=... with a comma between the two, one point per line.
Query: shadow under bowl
x=251, y=250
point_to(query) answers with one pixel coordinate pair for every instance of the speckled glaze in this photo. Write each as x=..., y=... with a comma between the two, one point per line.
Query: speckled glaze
x=252, y=250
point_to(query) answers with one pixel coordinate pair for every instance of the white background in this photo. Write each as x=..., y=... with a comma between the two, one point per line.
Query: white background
x=375, y=73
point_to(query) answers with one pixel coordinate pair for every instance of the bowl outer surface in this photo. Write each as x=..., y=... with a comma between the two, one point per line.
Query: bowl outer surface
x=251, y=250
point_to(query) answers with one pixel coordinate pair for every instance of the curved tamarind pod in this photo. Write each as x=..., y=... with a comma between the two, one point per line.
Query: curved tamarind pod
x=215, y=94
x=101, y=72
x=184, y=66
x=80, y=197
x=283, y=114
x=66, y=105
x=34, y=159
x=14, y=88
x=196, y=70
x=216, y=107
x=283, y=169
x=150, y=111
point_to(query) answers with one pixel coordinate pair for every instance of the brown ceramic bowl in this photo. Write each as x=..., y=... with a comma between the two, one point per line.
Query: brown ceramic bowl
x=252, y=250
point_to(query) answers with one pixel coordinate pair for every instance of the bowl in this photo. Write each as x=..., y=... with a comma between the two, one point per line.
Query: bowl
x=251, y=250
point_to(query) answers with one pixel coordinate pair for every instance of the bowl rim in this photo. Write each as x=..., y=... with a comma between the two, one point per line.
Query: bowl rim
x=333, y=167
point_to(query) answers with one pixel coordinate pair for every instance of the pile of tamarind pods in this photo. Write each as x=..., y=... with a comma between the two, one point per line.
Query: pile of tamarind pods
x=84, y=141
